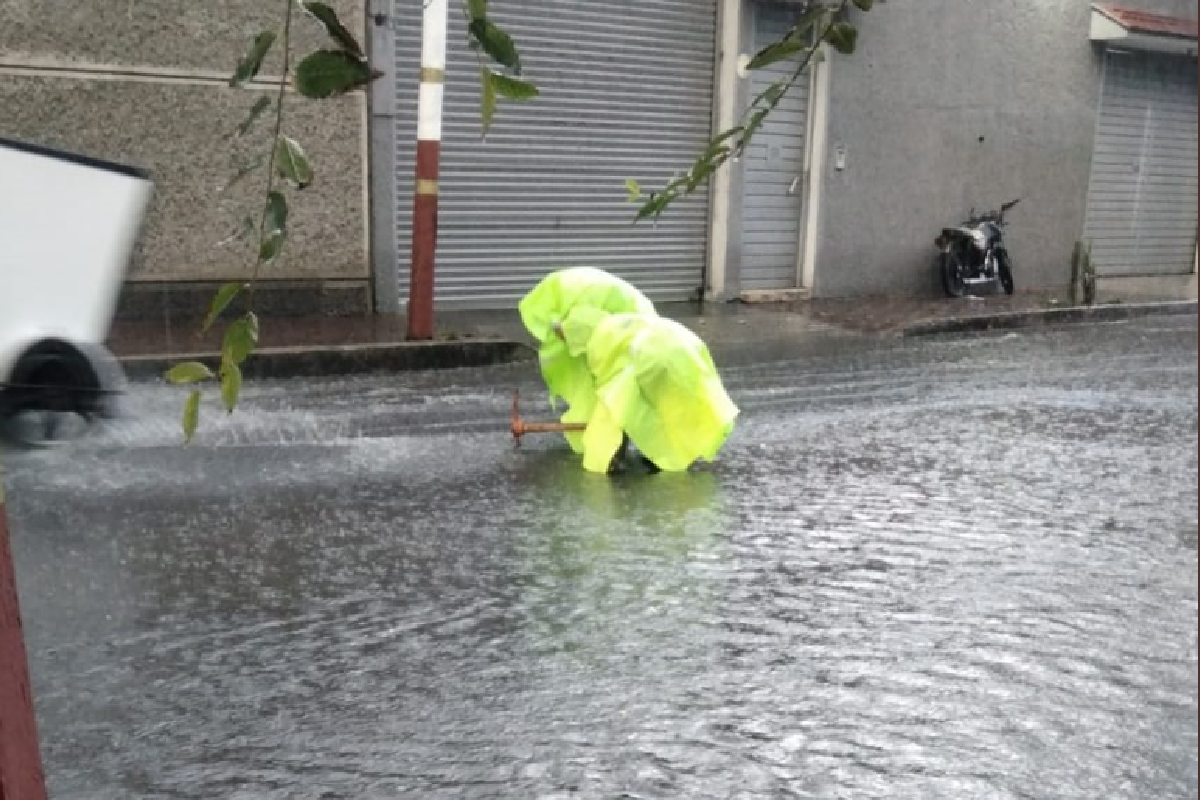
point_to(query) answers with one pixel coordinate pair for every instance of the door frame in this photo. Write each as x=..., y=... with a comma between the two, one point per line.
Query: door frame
x=816, y=143
x=727, y=238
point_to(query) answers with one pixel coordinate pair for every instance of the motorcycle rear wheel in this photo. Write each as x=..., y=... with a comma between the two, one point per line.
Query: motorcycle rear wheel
x=951, y=270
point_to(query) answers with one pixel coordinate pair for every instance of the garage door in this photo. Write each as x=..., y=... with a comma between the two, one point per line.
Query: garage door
x=626, y=93
x=1141, y=215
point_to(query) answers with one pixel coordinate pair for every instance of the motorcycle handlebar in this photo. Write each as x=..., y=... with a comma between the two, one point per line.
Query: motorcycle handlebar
x=993, y=216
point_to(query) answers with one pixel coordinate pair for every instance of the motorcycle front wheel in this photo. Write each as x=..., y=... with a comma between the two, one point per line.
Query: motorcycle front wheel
x=951, y=269
x=1004, y=268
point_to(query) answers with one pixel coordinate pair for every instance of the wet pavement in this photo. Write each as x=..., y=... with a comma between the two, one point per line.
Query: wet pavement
x=171, y=334
x=945, y=568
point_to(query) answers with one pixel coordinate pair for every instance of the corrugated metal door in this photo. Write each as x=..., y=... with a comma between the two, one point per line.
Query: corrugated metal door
x=774, y=166
x=1141, y=215
x=626, y=92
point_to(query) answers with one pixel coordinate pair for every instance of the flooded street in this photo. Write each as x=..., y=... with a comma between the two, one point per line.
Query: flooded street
x=942, y=568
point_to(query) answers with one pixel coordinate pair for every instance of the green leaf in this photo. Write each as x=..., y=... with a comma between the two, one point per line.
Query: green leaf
x=487, y=100
x=277, y=212
x=231, y=384
x=271, y=246
x=257, y=110
x=275, y=228
x=715, y=145
x=512, y=88
x=328, y=73
x=244, y=170
x=476, y=9
x=240, y=339
x=753, y=124
x=496, y=43
x=655, y=205
x=334, y=27
x=221, y=301
x=775, y=52
x=191, y=416
x=843, y=36
x=188, y=372
x=251, y=63
x=805, y=22
x=864, y=5
x=291, y=163
x=774, y=93
x=247, y=228
x=699, y=175
x=634, y=189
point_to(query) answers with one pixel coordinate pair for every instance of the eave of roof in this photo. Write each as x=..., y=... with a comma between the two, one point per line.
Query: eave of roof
x=1138, y=21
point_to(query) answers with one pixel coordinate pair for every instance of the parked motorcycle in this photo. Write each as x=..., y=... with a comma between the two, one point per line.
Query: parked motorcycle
x=974, y=253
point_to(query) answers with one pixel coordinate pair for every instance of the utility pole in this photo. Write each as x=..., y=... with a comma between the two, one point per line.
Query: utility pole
x=21, y=776
x=429, y=143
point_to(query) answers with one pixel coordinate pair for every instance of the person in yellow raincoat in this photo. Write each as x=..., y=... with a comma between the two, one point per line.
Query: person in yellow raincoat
x=657, y=388
x=630, y=375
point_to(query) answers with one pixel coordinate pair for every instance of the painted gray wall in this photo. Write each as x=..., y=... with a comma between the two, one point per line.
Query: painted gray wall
x=930, y=78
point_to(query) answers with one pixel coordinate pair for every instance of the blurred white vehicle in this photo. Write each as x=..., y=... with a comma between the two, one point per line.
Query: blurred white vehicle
x=68, y=224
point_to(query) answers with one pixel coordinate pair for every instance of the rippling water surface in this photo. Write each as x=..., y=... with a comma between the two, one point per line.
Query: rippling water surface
x=964, y=569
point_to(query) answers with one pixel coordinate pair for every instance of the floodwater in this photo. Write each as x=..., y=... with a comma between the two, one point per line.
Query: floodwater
x=958, y=568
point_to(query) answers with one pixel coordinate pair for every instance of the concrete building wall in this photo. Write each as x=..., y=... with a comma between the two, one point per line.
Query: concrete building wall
x=949, y=104
x=143, y=81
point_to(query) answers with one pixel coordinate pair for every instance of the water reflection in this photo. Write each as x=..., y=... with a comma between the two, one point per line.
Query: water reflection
x=614, y=563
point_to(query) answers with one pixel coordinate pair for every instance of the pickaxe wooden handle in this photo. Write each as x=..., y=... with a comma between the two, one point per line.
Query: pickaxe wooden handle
x=520, y=427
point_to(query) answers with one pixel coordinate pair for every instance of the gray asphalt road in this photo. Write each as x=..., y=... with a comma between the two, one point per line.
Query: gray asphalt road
x=951, y=568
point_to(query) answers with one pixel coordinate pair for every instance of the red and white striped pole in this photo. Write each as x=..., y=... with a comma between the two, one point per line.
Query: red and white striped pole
x=429, y=143
x=21, y=776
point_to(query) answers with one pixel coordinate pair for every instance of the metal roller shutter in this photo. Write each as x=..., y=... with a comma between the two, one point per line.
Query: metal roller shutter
x=1141, y=216
x=626, y=92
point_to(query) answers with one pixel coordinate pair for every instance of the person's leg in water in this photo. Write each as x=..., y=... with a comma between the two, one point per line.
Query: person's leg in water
x=620, y=459
x=617, y=465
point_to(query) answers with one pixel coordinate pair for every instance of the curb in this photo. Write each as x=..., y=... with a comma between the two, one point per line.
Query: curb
x=355, y=359
x=1050, y=316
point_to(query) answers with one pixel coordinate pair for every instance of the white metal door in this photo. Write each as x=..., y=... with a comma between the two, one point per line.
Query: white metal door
x=772, y=185
x=1141, y=217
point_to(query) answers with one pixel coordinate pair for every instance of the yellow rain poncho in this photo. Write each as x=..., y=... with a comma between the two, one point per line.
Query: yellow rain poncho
x=561, y=312
x=656, y=382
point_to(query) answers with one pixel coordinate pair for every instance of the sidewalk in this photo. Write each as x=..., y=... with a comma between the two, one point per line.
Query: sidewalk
x=333, y=345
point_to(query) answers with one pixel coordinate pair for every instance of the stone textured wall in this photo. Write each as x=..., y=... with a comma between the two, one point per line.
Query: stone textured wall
x=142, y=81
x=165, y=33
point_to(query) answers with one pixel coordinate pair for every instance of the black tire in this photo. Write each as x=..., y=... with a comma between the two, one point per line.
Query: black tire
x=1004, y=273
x=951, y=271
x=68, y=390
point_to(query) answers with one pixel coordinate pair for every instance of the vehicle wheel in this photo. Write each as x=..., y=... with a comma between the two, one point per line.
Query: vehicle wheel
x=31, y=427
x=1005, y=276
x=952, y=274
x=49, y=399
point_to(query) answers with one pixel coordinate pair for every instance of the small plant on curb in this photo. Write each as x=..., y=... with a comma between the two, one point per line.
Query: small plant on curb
x=1083, y=275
